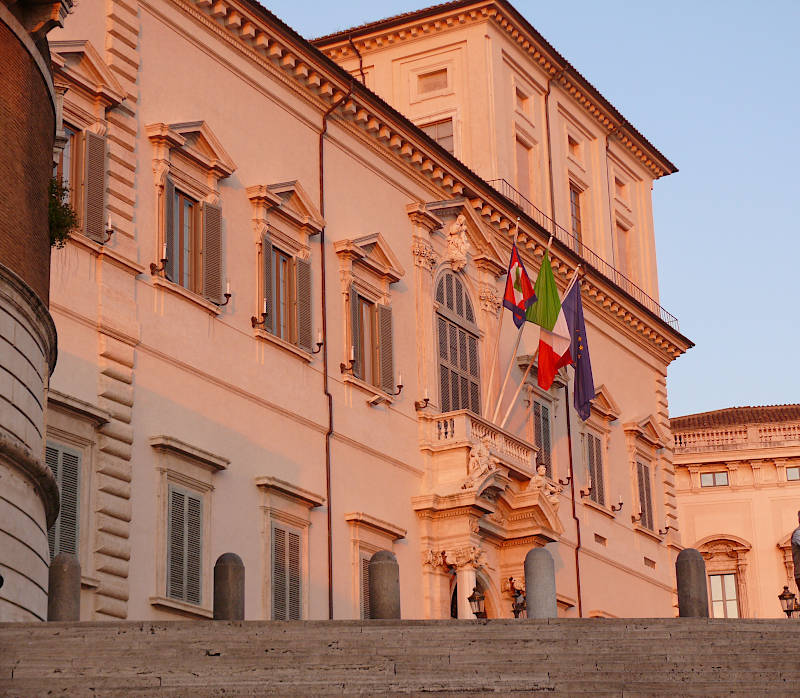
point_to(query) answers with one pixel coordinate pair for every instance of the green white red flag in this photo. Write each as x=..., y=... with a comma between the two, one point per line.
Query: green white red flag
x=554, y=336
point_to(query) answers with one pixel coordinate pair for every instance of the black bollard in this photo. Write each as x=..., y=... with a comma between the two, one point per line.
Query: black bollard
x=690, y=573
x=229, y=587
x=64, y=588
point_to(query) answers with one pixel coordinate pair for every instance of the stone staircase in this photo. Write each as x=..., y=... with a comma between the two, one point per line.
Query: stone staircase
x=599, y=657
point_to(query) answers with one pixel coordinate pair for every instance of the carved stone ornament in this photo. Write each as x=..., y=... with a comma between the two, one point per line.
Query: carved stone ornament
x=489, y=300
x=424, y=256
x=518, y=584
x=540, y=483
x=468, y=556
x=481, y=463
x=457, y=243
x=435, y=558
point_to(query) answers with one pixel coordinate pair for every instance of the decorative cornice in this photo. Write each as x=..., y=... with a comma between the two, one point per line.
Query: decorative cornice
x=359, y=518
x=192, y=453
x=287, y=489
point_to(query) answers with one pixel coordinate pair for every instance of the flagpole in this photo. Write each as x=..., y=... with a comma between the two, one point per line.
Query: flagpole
x=508, y=372
x=497, y=340
x=519, y=389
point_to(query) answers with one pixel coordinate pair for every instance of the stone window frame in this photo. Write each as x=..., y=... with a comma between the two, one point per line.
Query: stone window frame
x=188, y=468
x=196, y=172
x=726, y=554
x=285, y=214
x=74, y=423
x=604, y=411
x=368, y=535
x=440, y=60
x=549, y=398
x=289, y=506
x=367, y=265
x=645, y=443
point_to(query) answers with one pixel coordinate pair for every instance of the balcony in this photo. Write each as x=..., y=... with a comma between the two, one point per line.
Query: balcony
x=744, y=437
x=591, y=258
x=453, y=434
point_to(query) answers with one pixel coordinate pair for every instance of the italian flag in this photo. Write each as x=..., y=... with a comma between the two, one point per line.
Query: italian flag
x=554, y=337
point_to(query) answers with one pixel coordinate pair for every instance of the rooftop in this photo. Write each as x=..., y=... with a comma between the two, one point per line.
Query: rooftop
x=737, y=416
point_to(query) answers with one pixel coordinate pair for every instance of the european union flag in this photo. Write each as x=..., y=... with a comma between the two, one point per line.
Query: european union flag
x=583, y=390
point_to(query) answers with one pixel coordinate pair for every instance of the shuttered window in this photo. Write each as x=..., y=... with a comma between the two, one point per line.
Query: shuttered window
x=286, y=574
x=364, y=586
x=94, y=185
x=457, y=343
x=286, y=287
x=212, y=252
x=541, y=428
x=65, y=463
x=185, y=545
x=371, y=336
x=594, y=464
x=645, y=495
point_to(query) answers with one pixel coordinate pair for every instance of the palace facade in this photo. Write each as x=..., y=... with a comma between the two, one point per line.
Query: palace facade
x=277, y=327
x=738, y=485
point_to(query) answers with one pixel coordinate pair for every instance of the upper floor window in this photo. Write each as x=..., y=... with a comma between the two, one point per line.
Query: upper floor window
x=575, y=212
x=724, y=602
x=645, y=494
x=541, y=430
x=182, y=245
x=371, y=332
x=459, y=376
x=594, y=464
x=65, y=464
x=286, y=287
x=622, y=248
x=718, y=479
x=793, y=473
x=523, y=162
x=64, y=166
x=441, y=132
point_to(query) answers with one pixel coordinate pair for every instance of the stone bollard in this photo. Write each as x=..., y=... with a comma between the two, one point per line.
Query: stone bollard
x=64, y=588
x=690, y=573
x=540, y=584
x=229, y=587
x=384, y=586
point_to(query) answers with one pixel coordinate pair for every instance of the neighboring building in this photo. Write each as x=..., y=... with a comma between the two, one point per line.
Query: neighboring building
x=286, y=348
x=738, y=483
x=28, y=116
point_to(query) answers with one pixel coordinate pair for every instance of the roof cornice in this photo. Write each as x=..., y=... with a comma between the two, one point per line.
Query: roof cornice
x=440, y=18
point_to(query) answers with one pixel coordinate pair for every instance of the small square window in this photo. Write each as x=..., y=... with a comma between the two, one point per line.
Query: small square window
x=523, y=101
x=719, y=479
x=793, y=473
x=620, y=188
x=574, y=147
x=433, y=81
x=441, y=132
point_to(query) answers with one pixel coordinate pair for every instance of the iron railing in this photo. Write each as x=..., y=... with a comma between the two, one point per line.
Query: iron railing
x=589, y=256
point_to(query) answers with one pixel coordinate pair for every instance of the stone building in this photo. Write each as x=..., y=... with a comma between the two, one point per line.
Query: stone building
x=282, y=343
x=28, y=117
x=737, y=473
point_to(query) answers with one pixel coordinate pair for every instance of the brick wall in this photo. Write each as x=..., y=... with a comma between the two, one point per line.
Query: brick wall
x=26, y=157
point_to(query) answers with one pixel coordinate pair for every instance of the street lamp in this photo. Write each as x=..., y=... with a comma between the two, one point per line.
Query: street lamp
x=476, y=603
x=788, y=602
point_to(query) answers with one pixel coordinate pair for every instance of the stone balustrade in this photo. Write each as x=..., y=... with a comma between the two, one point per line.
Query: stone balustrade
x=461, y=428
x=739, y=437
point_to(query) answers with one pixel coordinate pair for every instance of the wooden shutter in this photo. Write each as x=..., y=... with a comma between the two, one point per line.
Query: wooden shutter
x=176, y=543
x=444, y=370
x=364, y=587
x=294, y=576
x=278, y=573
x=266, y=282
x=65, y=464
x=645, y=499
x=94, y=186
x=600, y=489
x=548, y=455
x=212, y=252
x=185, y=546
x=303, y=286
x=385, y=351
x=169, y=229
x=355, y=333
x=475, y=390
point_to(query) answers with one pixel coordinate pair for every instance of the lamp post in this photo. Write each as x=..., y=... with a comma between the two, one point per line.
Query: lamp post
x=788, y=601
x=476, y=603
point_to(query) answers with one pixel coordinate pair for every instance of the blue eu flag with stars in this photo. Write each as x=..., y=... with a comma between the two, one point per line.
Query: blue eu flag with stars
x=583, y=390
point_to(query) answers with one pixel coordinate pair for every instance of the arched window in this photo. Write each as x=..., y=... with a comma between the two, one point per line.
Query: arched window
x=459, y=377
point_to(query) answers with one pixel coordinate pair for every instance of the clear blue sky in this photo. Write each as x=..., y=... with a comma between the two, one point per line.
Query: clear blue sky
x=714, y=86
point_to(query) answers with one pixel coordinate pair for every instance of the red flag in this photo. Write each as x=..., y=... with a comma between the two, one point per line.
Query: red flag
x=519, y=293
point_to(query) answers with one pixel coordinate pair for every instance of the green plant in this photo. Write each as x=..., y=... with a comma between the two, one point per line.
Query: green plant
x=61, y=216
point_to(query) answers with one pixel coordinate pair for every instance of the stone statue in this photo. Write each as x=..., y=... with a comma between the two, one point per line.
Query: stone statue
x=540, y=483
x=481, y=463
x=796, y=552
x=457, y=243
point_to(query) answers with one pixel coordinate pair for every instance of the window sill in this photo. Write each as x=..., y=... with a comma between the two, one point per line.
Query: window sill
x=373, y=390
x=182, y=606
x=599, y=508
x=647, y=532
x=179, y=290
x=283, y=344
